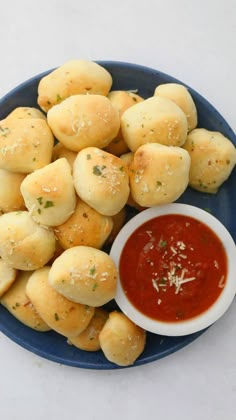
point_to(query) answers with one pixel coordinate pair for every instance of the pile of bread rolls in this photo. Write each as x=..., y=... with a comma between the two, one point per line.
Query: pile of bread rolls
x=67, y=174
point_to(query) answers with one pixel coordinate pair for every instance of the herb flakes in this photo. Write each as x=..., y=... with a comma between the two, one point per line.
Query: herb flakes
x=56, y=317
x=94, y=287
x=49, y=204
x=92, y=270
x=97, y=170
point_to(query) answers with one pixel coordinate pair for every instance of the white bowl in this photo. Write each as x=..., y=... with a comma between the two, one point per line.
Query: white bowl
x=216, y=310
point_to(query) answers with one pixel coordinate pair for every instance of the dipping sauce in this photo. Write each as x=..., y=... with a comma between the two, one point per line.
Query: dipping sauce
x=173, y=268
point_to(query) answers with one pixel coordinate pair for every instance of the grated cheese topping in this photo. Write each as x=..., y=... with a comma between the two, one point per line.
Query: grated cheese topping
x=176, y=276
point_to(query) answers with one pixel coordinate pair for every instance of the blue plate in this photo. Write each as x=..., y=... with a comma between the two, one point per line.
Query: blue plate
x=53, y=346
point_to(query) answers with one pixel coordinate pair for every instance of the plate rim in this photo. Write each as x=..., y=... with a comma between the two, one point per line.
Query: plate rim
x=124, y=64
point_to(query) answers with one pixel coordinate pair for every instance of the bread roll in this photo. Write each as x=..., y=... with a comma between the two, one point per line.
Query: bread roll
x=122, y=100
x=24, y=244
x=118, y=223
x=73, y=77
x=7, y=276
x=181, y=96
x=26, y=112
x=59, y=151
x=101, y=180
x=84, y=120
x=213, y=158
x=85, y=227
x=128, y=159
x=58, y=251
x=88, y=340
x=121, y=340
x=85, y=275
x=19, y=305
x=10, y=196
x=25, y=144
x=63, y=316
x=49, y=193
x=155, y=120
x=159, y=174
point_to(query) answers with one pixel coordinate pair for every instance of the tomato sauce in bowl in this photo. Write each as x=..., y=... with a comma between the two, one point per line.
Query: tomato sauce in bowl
x=173, y=268
x=176, y=266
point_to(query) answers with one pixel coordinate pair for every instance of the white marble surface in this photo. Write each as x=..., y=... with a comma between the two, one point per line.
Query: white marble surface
x=195, y=42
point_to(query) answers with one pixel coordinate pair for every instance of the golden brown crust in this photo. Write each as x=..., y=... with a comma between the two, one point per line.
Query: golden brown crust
x=23, y=112
x=155, y=120
x=122, y=100
x=89, y=339
x=83, y=121
x=7, y=276
x=58, y=251
x=213, y=158
x=25, y=144
x=107, y=183
x=128, y=159
x=24, y=244
x=118, y=223
x=181, y=96
x=121, y=340
x=73, y=77
x=49, y=193
x=66, y=317
x=158, y=174
x=59, y=151
x=19, y=305
x=10, y=196
x=85, y=227
x=85, y=275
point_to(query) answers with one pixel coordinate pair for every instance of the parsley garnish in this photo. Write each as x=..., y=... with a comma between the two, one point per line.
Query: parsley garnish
x=97, y=170
x=159, y=183
x=48, y=204
x=163, y=280
x=94, y=287
x=162, y=243
x=56, y=317
x=88, y=156
x=40, y=200
x=59, y=98
x=92, y=270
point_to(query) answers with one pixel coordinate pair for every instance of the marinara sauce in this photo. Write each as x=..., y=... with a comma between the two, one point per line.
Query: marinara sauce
x=173, y=268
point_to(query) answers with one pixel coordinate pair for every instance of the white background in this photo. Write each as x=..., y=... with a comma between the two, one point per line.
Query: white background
x=195, y=41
